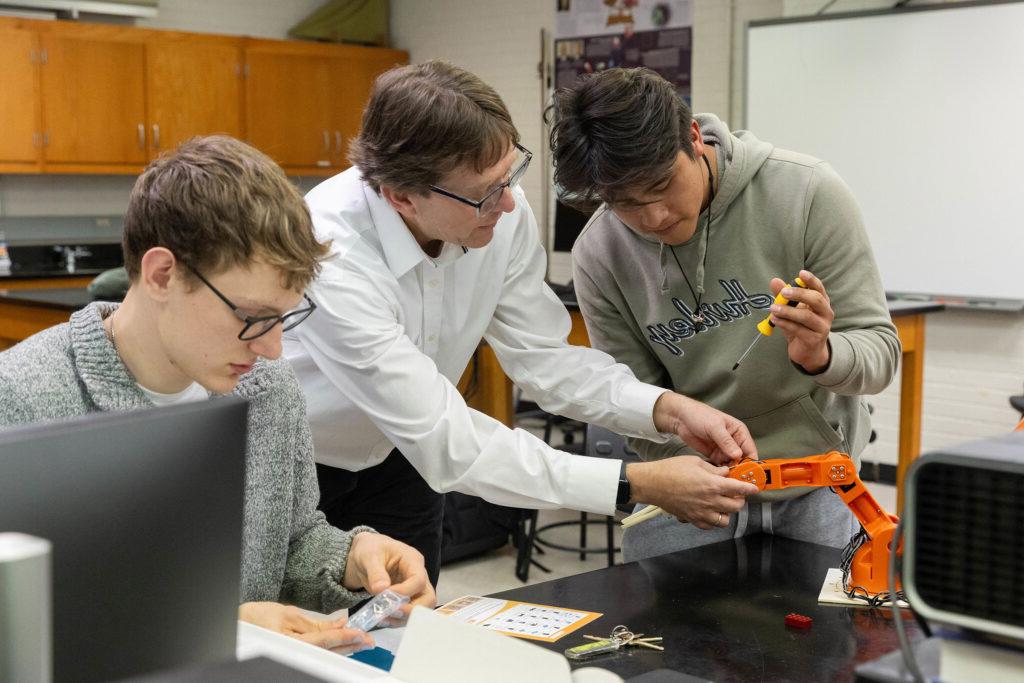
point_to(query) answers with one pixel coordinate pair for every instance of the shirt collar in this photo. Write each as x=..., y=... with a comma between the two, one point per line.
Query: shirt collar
x=401, y=250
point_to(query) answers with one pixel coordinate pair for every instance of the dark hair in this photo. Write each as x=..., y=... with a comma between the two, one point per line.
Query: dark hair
x=425, y=120
x=613, y=132
x=215, y=203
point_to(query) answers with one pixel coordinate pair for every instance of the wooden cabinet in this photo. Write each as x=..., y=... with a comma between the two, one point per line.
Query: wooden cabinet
x=287, y=101
x=93, y=94
x=19, y=104
x=352, y=78
x=91, y=98
x=194, y=87
x=304, y=102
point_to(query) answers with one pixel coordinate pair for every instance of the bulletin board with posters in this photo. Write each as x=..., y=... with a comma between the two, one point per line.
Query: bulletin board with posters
x=593, y=35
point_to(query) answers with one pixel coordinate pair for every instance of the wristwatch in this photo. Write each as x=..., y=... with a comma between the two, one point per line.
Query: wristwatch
x=623, y=494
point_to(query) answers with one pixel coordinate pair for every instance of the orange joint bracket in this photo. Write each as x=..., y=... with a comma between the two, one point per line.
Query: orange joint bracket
x=837, y=471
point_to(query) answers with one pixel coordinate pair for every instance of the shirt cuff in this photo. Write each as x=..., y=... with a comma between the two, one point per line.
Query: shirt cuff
x=636, y=411
x=593, y=484
x=840, y=364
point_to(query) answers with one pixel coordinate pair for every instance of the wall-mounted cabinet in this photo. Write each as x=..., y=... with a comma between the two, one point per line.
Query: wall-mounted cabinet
x=304, y=100
x=286, y=100
x=86, y=98
x=93, y=102
x=352, y=76
x=19, y=104
x=194, y=87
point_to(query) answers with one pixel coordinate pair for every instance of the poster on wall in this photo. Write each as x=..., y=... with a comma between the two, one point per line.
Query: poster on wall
x=593, y=35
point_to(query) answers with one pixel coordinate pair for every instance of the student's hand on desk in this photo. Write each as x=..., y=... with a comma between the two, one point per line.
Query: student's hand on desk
x=689, y=488
x=806, y=326
x=290, y=621
x=377, y=562
x=720, y=437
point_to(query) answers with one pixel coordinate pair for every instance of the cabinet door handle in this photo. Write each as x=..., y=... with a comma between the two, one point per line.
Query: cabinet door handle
x=46, y=139
x=327, y=142
x=337, y=142
x=142, y=136
x=42, y=56
x=36, y=139
x=156, y=136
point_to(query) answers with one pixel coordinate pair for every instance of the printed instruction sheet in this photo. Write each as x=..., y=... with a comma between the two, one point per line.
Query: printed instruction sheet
x=519, y=619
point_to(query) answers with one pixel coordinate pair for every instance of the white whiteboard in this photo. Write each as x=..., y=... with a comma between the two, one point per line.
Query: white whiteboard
x=922, y=113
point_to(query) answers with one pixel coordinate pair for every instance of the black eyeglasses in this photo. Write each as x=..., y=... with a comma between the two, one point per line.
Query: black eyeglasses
x=490, y=201
x=257, y=326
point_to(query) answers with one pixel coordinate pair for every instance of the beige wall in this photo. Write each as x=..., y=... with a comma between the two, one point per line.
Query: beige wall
x=262, y=18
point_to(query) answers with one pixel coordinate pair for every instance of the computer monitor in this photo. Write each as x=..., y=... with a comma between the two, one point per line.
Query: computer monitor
x=569, y=223
x=144, y=513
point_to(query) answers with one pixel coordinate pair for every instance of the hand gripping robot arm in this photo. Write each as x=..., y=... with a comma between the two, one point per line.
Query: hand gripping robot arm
x=867, y=556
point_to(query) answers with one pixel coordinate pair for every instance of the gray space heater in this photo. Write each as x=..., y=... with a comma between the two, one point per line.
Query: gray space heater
x=964, y=536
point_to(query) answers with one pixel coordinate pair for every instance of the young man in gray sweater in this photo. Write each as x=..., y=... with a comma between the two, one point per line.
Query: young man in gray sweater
x=697, y=230
x=219, y=247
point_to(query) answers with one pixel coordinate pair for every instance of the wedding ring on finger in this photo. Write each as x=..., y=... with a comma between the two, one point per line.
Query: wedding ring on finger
x=720, y=517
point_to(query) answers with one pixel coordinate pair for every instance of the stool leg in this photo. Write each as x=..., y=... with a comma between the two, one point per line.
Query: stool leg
x=583, y=536
x=524, y=554
x=610, y=528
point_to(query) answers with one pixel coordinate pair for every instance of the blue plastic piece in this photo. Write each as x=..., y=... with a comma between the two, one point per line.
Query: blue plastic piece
x=377, y=657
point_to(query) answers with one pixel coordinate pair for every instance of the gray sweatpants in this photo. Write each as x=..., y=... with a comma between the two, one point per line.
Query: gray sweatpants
x=817, y=517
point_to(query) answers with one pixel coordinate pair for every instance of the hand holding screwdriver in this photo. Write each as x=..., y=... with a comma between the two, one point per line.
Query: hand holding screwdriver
x=804, y=314
x=767, y=326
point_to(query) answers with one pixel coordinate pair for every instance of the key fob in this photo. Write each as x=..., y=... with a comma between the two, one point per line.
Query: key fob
x=588, y=650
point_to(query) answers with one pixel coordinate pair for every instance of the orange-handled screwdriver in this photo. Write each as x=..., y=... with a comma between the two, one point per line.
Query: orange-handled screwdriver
x=766, y=326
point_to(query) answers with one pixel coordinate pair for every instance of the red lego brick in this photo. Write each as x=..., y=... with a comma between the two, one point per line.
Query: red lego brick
x=798, y=620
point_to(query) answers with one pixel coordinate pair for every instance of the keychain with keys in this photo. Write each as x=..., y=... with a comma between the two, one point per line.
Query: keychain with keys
x=621, y=636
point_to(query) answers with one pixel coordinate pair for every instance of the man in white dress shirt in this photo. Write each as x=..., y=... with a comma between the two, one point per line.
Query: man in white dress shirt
x=433, y=248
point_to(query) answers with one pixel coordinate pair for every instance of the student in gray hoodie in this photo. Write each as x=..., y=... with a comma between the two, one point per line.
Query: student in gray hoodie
x=697, y=230
x=219, y=247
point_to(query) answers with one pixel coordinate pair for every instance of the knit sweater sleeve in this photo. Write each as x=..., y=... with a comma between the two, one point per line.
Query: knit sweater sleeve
x=865, y=346
x=14, y=405
x=318, y=552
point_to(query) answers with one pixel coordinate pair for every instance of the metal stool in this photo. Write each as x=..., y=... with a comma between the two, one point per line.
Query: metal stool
x=598, y=442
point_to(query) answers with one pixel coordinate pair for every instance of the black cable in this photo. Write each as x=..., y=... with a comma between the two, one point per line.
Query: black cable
x=697, y=318
x=827, y=5
x=908, y=653
x=859, y=592
x=697, y=324
x=922, y=624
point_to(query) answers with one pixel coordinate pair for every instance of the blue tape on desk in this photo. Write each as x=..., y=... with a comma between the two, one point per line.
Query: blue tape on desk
x=378, y=657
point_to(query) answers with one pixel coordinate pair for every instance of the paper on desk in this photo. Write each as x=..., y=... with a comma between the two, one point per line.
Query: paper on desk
x=519, y=619
x=389, y=638
x=832, y=592
x=254, y=641
x=439, y=649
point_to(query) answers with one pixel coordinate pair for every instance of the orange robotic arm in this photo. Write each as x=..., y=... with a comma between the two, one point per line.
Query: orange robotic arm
x=866, y=573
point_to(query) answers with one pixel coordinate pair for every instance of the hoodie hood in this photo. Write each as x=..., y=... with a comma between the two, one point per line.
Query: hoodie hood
x=739, y=156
